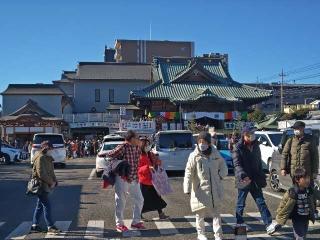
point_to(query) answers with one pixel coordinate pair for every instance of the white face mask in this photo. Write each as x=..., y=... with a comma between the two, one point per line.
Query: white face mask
x=297, y=132
x=147, y=148
x=252, y=137
x=203, y=147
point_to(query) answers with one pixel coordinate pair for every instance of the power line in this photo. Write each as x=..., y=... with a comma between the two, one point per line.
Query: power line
x=295, y=71
x=304, y=77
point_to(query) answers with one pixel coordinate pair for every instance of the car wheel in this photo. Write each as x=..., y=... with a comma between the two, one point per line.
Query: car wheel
x=99, y=174
x=6, y=159
x=274, y=181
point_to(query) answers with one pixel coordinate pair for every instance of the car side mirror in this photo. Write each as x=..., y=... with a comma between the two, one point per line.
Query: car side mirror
x=264, y=143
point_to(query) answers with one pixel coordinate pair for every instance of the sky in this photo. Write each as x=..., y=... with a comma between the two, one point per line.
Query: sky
x=40, y=38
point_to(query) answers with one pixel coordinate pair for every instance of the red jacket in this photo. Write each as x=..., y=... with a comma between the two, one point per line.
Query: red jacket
x=144, y=172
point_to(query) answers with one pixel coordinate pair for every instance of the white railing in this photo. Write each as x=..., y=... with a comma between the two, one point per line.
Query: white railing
x=90, y=117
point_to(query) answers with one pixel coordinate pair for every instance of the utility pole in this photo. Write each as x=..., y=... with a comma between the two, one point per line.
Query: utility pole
x=282, y=75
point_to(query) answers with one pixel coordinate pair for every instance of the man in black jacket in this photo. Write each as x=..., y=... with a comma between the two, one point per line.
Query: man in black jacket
x=249, y=176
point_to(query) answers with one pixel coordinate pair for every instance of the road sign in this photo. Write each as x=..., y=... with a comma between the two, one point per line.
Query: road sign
x=122, y=111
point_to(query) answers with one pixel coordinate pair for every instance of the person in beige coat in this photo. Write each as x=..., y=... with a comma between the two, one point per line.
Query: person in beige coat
x=43, y=169
x=203, y=174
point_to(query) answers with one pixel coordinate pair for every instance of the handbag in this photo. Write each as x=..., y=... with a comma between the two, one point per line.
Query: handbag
x=160, y=181
x=34, y=186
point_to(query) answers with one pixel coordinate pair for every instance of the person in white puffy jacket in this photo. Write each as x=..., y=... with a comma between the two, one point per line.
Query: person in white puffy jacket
x=203, y=174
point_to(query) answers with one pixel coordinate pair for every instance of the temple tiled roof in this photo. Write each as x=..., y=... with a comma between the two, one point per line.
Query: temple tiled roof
x=189, y=79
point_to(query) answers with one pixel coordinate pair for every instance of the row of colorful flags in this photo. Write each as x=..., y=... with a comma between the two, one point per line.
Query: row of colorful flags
x=234, y=115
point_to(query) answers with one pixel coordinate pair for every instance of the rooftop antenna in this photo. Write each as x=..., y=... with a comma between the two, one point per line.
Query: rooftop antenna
x=150, y=31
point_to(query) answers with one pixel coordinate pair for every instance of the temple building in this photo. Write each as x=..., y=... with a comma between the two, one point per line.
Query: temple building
x=197, y=87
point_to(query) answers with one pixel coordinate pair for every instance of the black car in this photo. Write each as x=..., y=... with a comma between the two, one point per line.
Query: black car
x=276, y=180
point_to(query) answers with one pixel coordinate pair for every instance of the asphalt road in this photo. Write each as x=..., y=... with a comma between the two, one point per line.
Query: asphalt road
x=86, y=211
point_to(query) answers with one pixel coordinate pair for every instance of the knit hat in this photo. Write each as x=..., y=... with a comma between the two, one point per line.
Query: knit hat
x=247, y=129
x=206, y=136
x=298, y=124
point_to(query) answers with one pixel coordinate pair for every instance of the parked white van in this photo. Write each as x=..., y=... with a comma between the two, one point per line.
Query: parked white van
x=269, y=142
x=59, y=150
x=174, y=148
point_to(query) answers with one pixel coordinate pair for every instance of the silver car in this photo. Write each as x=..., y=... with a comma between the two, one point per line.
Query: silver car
x=174, y=148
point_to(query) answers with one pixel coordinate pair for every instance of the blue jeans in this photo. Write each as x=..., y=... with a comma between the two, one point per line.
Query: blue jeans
x=257, y=195
x=43, y=206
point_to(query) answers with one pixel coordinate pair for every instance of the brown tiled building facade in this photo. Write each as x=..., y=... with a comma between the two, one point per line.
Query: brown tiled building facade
x=143, y=51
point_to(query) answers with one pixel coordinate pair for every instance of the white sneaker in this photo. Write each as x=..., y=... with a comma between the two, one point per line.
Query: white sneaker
x=273, y=227
x=202, y=237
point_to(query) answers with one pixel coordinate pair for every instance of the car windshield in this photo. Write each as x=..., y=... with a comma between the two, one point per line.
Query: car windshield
x=113, y=139
x=176, y=140
x=107, y=147
x=275, y=138
x=54, y=139
x=222, y=145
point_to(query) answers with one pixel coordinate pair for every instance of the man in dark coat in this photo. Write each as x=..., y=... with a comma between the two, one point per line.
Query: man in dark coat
x=300, y=151
x=249, y=176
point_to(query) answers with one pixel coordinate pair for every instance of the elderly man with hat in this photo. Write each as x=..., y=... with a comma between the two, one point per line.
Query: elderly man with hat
x=300, y=151
x=249, y=176
x=43, y=169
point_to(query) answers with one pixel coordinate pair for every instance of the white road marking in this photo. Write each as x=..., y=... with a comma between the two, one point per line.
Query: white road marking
x=61, y=225
x=255, y=215
x=131, y=232
x=272, y=194
x=93, y=172
x=20, y=232
x=192, y=221
x=166, y=227
x=94, y=230
x=229, y=219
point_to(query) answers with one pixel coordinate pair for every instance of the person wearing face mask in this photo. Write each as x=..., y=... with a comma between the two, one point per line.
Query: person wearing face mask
x=43, y=169
x=203, y=174
x=249, y=177
x=147, y=163
x=300, y=151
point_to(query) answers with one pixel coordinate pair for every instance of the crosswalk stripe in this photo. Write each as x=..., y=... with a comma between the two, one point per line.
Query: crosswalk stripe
x=229, y=219
x=255, y=215
x=63, y=226
x=192, y=221
x=92, y=173
x=166, y=227
x=131, y=232
x=95, y=229
x=20, y=232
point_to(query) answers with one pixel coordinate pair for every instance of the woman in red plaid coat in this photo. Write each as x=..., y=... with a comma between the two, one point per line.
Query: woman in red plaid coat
x=147, y=163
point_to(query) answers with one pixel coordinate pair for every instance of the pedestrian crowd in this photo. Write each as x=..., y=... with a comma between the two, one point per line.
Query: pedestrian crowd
x=133, y=166
x=82, y=148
